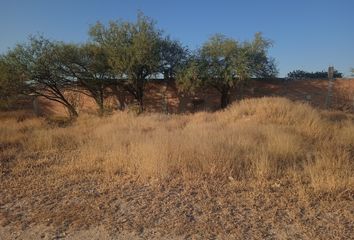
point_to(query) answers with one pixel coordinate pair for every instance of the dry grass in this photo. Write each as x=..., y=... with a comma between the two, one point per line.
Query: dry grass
x=256, y=141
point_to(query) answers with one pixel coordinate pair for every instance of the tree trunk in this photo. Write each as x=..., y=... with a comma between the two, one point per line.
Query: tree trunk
x=70, y=107
x=241, y=90
x=100, y=102
x=100, y=108
x=72, y=111
x=141, y=104
x=140, y=95
x=121, y=100
x=120, y=96
x=225, y=98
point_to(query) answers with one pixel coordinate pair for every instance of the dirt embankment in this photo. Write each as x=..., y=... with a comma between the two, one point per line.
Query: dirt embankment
x=159, y=98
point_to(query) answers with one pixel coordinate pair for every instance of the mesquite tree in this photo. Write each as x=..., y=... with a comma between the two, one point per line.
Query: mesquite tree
x=87, y=66
x=12, y=84
x=133, y=50
x=223, y=63
x=37, y=66
x=173, y=56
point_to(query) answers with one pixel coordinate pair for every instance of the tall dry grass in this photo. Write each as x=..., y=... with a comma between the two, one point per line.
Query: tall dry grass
x=256, y=139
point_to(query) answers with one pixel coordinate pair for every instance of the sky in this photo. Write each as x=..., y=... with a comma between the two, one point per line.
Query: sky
x=306, y=34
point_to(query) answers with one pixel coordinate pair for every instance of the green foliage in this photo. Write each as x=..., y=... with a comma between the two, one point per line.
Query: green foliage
x=11, y=83
x=300, y=75
x=88, y=68
x=189, y=76
x=37, y=64
x=223, y=63
x=123, y=56
x=133, y=47
x=219, y=57
x=173, y=56
x=133, y=50
x=260, y=65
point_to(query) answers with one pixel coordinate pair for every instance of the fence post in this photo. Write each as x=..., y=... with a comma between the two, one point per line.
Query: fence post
x=330, y=86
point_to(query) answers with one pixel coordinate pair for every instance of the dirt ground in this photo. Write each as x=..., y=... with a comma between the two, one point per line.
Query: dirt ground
x=127, y=208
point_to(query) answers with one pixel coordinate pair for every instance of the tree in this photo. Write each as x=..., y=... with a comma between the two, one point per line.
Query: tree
x=37, y=66
x=133, y=50
x=87, y=66
x=260, y=64
x=11, y=82
x=223, y=63
x=173, y=56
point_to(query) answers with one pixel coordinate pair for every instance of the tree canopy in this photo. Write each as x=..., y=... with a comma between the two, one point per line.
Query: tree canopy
x=121, y=57
x=37, y=67
x=11, y=82
x=88, y=68
x=173, y=57
x=224, y=63
x=133, y=50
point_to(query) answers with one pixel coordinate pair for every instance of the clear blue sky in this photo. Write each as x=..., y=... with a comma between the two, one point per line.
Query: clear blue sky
x=307, y=34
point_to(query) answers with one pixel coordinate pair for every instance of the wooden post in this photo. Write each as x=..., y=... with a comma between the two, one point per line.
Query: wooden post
x=330, y=86
x=330, y=72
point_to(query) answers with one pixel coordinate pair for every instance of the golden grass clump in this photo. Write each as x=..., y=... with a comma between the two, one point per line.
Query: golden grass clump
x=255, y=139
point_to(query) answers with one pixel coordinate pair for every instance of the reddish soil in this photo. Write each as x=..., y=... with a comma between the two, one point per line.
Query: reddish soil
x=159, y=98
